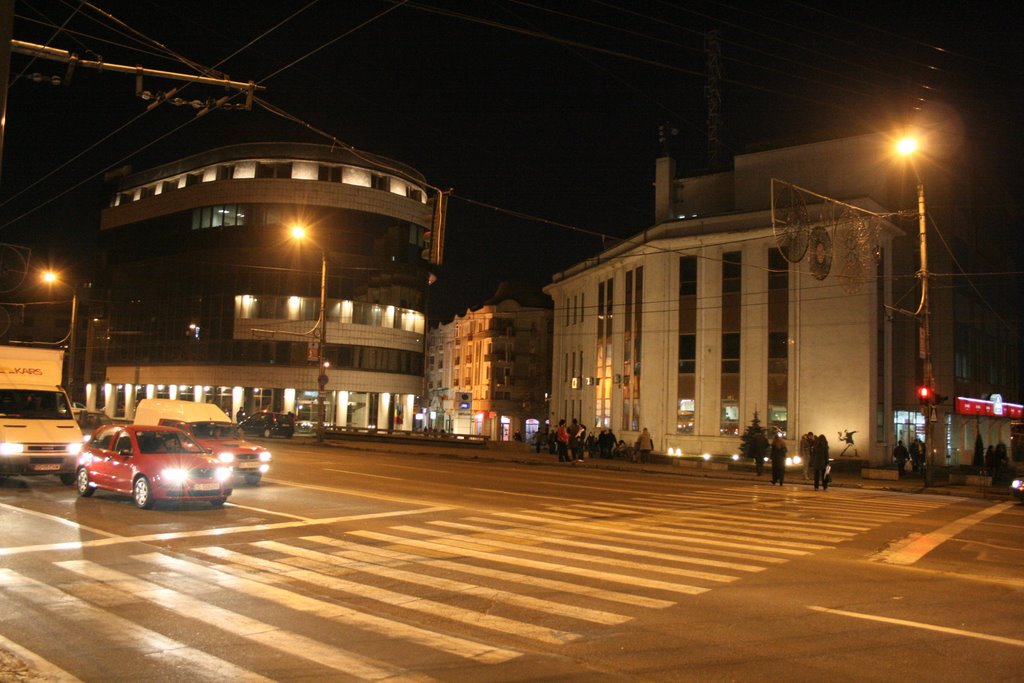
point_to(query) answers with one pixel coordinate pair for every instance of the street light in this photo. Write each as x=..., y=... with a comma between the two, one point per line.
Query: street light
x=50, y=277
x=907, y=147
x=299, y=233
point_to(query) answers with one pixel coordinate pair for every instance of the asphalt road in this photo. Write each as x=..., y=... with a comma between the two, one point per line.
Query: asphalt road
x=347, y=565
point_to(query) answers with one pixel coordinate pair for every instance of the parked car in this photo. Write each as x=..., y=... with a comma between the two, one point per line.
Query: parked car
x=212, y=428
x=1018, y=489
x=267, y=424
x=89, y=421
x=150, y=464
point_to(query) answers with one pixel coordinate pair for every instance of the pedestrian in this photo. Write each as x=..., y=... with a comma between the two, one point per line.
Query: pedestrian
x=758, y=449
x=1002, y=461
x=819, y=462
x=900, y=455
x=778, y=458
x=577, y=436
x=645, y=445
x=806, y=441
x=538, y=440
x=915, y=455
x=990, y=459
x=552, y=441
x=562, y=441
x=606, y=443
x=239, y=415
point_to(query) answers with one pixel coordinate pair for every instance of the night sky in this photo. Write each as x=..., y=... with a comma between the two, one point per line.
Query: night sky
x=543, y=118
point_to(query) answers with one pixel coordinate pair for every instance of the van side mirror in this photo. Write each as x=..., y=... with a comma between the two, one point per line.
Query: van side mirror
x=125, y=452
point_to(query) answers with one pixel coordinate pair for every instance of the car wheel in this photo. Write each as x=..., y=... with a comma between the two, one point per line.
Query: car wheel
x=84, y=489
x=253, y=479
x=142, y=493
x=218, y=502
x=68, y=479
x=266, y=433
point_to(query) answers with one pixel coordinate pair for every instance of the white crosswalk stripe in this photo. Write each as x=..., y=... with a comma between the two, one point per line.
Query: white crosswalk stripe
x=478, y=588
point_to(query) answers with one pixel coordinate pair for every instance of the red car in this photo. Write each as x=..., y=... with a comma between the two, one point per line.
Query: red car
x=150, y=464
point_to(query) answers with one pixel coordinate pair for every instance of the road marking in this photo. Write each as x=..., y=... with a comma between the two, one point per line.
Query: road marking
x=363, y=474
x=47, y=671
x=219, y=531
x=429, y=557
x=913, y=548
x=353, y=492
x=266, y=586
x=59, y=520
x=239, y=625
x=177, y=656
x=917, y=624
x=362, y=558
x=414, y=603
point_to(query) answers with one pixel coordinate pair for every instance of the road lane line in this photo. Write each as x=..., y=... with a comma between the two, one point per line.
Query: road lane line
x=100, y=623
x=920, y=625
x=363, y=474
x=355, y=556
x=495, y=574
x=219, y=531
x=914, y=548
x=48, y=672
x=241, y=626
x=268, y=586
x=414, y=603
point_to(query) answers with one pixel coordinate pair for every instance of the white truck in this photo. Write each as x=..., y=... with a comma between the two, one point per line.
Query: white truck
x=212, y=428
x=38, y=432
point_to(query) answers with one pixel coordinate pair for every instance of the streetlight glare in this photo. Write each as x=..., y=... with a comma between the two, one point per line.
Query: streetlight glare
x=298, y=232
x=906, y=146
x=49, y=276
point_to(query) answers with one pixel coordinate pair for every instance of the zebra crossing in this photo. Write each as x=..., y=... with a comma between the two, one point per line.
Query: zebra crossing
x=400, y=600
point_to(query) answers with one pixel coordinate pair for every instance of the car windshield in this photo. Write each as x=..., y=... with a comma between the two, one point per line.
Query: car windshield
x=214, y=430
x=35, y=405
x=158, y=441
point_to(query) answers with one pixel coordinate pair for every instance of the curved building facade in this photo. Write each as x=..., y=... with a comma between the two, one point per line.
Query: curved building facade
x=207, y=296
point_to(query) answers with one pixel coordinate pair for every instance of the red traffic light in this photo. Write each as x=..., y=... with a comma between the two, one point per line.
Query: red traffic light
x=925, y=394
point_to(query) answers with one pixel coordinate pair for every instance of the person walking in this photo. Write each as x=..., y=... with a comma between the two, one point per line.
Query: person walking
x=758, y=448
x=778, y=458
x=819, y=462
x=577, y=440
x=900, y=455
x=915, y=455
x=562, y=441
x=644, y=444
x=806, y=441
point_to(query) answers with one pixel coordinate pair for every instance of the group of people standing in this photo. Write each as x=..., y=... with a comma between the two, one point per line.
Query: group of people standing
x=915, y=455
x=814, y=455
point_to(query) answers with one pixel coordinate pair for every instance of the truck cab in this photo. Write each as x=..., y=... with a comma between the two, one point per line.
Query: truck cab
x=212, y=428
x=38, y=432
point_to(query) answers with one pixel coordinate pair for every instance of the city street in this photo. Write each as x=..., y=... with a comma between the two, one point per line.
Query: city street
x=349, y=564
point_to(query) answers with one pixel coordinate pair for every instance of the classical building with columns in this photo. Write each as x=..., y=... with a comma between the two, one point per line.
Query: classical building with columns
x=203, y=293
x=787, y=288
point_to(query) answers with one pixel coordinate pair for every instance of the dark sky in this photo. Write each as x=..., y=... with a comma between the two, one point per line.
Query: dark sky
x=543, y=117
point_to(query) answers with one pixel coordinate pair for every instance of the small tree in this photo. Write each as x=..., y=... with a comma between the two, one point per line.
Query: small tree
x=753, y=428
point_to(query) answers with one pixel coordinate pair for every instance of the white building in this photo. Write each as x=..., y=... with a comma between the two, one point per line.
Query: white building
x=698, y=322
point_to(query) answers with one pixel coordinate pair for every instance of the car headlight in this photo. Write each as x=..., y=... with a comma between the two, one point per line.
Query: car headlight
x=223, y=473
x=1017, y=483
x=74, y=448
x=11, y=448
x=174, y=475
x=265, y=456
x=226, y=457
x=797, y=460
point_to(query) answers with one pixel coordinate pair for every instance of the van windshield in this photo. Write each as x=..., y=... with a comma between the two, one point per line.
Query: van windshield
x=35, y=405
x=214, y=430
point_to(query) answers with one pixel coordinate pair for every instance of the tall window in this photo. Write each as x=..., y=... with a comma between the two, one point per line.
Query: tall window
x=778, y=341
x=732, y=271
x=686, y=383
x=631, y=346
x=603, y=404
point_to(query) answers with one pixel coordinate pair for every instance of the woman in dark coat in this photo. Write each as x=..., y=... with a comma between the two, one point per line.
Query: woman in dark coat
x=819, y=460
x=778, y=456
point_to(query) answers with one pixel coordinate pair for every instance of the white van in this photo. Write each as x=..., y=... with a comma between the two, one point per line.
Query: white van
x=38, y=432
x=212, y=428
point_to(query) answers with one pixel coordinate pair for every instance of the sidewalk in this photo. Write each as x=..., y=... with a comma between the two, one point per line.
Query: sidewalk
x=842, y=477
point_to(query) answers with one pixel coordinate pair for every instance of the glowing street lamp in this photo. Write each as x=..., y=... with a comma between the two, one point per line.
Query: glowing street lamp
x=50, y=277
x=907, y=147
x=299, y=233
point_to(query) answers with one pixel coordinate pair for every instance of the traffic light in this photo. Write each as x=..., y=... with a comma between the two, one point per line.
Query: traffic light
x=924, y=394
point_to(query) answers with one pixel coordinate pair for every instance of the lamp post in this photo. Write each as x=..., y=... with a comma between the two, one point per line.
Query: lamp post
x=907, y=147
x=299, y=233
x=50, y=277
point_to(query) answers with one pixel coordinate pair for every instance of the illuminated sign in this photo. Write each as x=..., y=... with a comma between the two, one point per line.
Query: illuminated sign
x=995, y=408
